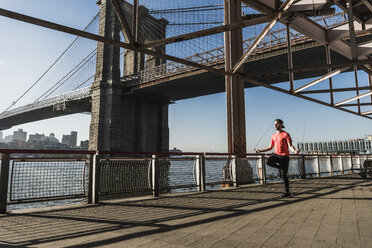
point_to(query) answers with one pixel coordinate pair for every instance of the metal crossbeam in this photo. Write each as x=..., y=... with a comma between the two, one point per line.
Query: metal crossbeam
x=205, y=32
x=65, y=29
x=124, y=24
x=354, y=98
x=328, y=75
x=283, y=8
x=367, y=113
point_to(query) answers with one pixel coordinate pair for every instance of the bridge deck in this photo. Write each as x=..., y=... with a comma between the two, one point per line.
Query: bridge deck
x=324, y=212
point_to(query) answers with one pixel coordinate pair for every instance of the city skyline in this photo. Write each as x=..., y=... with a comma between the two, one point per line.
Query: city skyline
x=197, y=124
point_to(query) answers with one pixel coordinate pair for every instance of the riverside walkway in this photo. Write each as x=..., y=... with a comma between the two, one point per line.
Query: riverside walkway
x=323, y=212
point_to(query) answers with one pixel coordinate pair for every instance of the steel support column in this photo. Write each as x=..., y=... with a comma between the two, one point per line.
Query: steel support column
x=370, y=82
x=328, y=57
x=135, y=33
x=290, y=61
x=234, y=84
x=353, y=45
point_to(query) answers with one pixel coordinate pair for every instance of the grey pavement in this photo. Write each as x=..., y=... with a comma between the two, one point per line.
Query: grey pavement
x=323, y=212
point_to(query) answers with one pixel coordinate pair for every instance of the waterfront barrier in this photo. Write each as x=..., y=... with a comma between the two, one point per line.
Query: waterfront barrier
x=29, y=176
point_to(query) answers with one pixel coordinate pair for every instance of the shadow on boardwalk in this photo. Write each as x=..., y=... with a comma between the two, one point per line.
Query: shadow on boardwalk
x=323, y=212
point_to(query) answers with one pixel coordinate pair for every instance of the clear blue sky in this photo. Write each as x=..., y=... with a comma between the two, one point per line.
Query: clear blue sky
x=199, y=124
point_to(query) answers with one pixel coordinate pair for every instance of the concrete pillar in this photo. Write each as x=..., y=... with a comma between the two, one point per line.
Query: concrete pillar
x=122, y=122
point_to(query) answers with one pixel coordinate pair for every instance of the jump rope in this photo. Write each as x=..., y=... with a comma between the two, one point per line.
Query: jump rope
x=270, y=126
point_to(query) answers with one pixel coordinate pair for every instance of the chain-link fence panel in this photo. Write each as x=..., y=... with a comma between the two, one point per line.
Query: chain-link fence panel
x=38, y=179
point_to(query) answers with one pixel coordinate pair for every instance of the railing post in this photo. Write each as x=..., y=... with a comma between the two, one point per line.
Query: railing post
x=331, y=161
x=342, y=165
x=352, y=164
x=302, y=167
x=200, y=172
x=233, y=171
x=262, y=170
x=94, y=179
x=317, y=159
x=90, y=179
x=4, y=180
x=155, y=175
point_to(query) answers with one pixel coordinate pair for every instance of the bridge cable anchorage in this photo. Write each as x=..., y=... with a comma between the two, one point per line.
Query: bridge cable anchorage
x=51, y=66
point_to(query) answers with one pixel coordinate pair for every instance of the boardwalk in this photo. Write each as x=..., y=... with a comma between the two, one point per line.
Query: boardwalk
x=325, y=212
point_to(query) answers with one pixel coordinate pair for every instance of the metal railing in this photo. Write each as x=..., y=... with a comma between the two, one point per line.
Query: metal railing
x=69, y=96
x=55, y=175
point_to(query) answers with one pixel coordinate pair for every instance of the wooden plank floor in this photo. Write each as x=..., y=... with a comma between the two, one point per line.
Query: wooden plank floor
x=323, y=212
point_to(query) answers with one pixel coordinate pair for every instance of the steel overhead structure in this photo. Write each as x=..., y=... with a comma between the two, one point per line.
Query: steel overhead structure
x=292, y=13
x=341, y=39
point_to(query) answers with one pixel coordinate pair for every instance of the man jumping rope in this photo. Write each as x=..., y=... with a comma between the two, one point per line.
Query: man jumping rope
x=280, y=158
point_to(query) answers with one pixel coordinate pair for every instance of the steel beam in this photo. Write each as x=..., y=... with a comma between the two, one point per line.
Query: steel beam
x=234, y=84
x=65, y=29
x=328, y=75
x=206, y=32
x=290, y=62
x=124, y=24
x=135, y=33
x=356, y=104
x=283, y=8
x=254, y=82
x=334, y=90
x=353, y=98
x=342, y=31
x=367, y=4
x=328, y=58
x=370, y=82
x=313, y=68
x=367, y=113
x=308, y=28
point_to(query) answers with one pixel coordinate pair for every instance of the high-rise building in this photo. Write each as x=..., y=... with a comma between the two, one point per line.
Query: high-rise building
x=8, y=138
x=36, y=141
x=19, y=135
x=70, y=139
x=84, y=144
x=1, y=137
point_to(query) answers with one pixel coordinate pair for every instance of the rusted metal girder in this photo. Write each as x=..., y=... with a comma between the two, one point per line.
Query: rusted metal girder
x=210, y=31
x=124, y=24
x=318, y=80
x=65, y=29
x=234, y=84
x=283, y=8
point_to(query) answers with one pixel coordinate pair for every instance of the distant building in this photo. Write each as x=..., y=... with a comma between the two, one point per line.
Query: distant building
x=356, y=146
x=70, y=140
x=3, y=145
x=51, y=139
x=36, y=142
x=20, y=135
x=1, y=137
x=84, y=145
x=8, y=138
x=17, y=144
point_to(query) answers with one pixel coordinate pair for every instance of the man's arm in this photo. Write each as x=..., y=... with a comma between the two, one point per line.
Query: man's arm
x=265, y=149
x=296, y=151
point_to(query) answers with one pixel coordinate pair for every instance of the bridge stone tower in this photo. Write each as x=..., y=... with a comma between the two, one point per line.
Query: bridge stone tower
x=121, y=121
